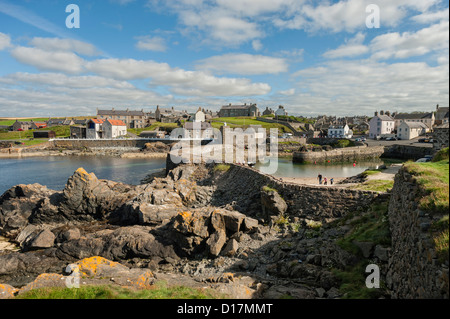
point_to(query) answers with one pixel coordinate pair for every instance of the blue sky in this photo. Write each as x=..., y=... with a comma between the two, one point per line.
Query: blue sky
x=313, y=57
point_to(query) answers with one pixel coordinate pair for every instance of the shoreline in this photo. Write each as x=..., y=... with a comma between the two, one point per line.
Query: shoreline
x=138, y=154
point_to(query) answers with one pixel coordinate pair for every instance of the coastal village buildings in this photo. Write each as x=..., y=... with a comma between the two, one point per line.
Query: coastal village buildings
x=268, y=111
x=199, y=116
x=23, y=125
x=132, y=119
x=410, y=130
x=98, y=129
x=94, y=129
x=114, y=128
x=170, y=115
x=239, y=110
x=281, y=111
x=442, y=115
x=340, y=131
x=426, y=118
x=381, y=125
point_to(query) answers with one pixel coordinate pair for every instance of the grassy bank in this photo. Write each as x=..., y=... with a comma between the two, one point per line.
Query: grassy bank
x=160, y=291
x=60, y=131
x=371, y=226
x=433, y=177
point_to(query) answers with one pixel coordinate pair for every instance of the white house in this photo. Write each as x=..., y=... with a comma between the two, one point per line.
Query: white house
x=199, y=116
x=410, y=130
x=94, y=129
x=114, y=129
x=340, y=131
x=381, y=125
x=426, y=118
x=281, y=111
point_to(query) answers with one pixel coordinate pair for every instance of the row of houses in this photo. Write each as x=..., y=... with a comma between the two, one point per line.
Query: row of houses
x=35, y=125
x=407, y=126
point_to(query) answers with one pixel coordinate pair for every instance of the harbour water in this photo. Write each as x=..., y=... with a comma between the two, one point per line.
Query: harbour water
x=53, y=172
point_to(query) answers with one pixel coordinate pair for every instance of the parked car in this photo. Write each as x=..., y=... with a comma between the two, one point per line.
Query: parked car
x=424, y=140
x=423, y=160
x=391, y=139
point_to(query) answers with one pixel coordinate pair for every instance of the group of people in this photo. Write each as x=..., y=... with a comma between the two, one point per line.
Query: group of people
x=325, y=180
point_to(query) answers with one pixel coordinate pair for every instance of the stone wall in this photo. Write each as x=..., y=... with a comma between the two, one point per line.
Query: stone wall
x=441, y=136
x=407, y=152
x=123, y=143
x=414, y=271
x=340, y=155
x=242, y=185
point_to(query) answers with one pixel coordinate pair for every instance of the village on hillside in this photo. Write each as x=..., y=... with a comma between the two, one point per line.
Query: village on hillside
x=421, y=127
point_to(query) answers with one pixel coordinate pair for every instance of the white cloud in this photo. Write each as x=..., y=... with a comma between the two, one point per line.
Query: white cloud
x=243, y=64
x=408, y=44
x=67, y=62
x=257, y=45
x=126, y=69
x=5, y=41
x=62, y=80
x=362, y=86
x=430, y=17
x=69, y=45
x=352, y=48
x=178, y=80
x=287, y=92
x=148, y=43
x=349, y=15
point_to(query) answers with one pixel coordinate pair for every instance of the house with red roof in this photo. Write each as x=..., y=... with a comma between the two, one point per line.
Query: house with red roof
x=105, y=128
x=114, y=128
x=94, y=129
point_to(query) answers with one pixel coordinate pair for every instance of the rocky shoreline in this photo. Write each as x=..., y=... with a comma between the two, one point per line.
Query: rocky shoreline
x=177, y=226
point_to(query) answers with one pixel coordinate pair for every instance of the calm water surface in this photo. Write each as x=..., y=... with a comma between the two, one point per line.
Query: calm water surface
x=286, y=168
x=53, y=172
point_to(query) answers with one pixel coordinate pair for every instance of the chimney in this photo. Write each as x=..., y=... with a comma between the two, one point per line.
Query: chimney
x=437, y=107
x=381, y=112
x=388, y=113
x=376, y=113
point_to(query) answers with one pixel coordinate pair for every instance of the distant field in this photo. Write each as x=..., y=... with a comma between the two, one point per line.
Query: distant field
x=4, y=121
x=61, y=131
x=11, y=120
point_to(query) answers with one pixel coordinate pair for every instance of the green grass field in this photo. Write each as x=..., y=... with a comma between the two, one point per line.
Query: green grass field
x=60, y=131
x=160, y=291
x=11, y=122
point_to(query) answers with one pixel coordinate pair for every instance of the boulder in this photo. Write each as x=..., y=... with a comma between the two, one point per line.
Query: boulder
x=231, y=248
x=17, y=206
x=215, y=242
x=120, y=244
x=44, y=239
x=33, y=237
x=273, y=204
x=88, y=198
x=7, y=291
